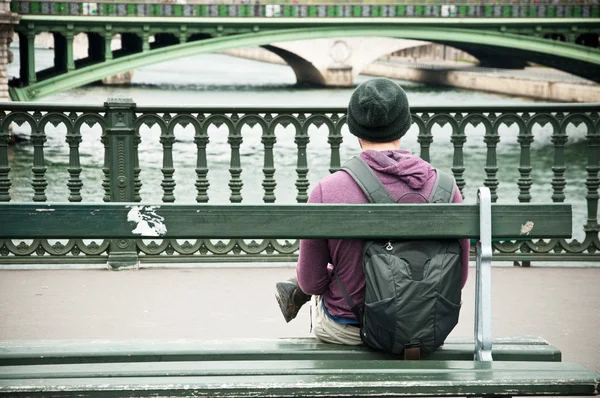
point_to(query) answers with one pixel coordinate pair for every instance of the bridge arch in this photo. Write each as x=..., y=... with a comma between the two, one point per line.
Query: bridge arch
x=336, y=62
x=572, y=58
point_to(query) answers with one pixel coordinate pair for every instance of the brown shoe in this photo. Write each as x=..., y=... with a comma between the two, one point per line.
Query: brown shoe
x=290, y=298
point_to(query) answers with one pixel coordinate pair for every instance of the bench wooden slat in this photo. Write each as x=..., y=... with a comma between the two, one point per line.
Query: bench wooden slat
x=313, y=378
x=95, y=351
x=241, y=368
x=110, y=220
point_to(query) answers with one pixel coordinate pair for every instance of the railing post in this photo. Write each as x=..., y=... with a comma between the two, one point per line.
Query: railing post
x=592, y=182
x=5, y=182
x=120, y=135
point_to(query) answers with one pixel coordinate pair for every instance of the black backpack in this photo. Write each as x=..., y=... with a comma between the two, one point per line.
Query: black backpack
x=413, y=287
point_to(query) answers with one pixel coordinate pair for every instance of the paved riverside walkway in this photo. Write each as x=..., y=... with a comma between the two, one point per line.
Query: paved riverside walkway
x=561, y=305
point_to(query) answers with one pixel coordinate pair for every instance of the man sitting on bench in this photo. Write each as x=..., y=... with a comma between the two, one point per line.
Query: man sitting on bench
x=379, y=115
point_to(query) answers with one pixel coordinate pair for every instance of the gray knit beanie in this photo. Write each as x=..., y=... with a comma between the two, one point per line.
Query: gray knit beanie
x=378, y=111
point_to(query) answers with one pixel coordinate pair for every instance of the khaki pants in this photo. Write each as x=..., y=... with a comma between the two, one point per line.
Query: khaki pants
x=329, y=331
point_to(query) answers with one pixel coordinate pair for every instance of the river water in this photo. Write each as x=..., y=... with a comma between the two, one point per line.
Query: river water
x=216, y=79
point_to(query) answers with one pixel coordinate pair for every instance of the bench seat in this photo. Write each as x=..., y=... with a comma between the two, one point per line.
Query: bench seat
x=297, y=378
x=32, y=352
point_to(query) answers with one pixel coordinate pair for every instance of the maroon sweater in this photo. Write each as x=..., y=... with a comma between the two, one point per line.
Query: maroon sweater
x=401, y=173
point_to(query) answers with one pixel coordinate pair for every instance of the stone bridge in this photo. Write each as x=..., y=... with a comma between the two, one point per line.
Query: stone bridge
x=336, y=62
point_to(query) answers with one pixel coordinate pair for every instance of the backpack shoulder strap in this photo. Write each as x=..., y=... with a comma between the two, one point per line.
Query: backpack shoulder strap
x=366, y=179
x=353, y=306
x=443, y=188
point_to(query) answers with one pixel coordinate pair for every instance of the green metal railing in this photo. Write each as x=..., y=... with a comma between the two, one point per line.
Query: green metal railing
x=273, y=8
x=522, y=153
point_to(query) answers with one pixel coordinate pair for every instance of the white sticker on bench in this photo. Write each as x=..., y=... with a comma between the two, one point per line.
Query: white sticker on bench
x=148, y=222
x=526, y=228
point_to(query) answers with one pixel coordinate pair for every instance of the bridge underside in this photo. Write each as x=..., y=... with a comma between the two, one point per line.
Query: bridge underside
x=515, y=58
x=137, y=51
x=305, y=71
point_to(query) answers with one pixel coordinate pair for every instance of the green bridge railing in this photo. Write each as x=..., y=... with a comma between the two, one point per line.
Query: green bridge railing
x=273, y=8
x=123, y=152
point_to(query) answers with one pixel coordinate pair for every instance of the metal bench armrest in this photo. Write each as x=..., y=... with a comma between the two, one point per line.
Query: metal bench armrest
x=483, y=283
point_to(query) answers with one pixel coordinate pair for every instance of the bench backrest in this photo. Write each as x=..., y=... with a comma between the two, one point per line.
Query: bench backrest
x=202, y=221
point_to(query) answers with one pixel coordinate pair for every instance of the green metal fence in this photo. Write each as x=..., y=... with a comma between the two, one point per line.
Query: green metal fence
x=266, y=9
x=522, y=153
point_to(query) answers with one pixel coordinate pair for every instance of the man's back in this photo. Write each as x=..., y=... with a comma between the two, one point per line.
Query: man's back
x=407, y=178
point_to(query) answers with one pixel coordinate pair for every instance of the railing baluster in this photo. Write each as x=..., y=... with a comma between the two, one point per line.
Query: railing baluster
x=105, y=167
x=301, y=139
x=335, y=140
x=4, y=166
x=559, y=139
x=458, y=139
x=592, y=181
x=201, y=139
x=525, y=139
x=167, y=138
x=74, y=169
x=235, y=169
x=39, y=183
x=137, y=182
x=268, y=140
x=491, y=140
x=424, y=137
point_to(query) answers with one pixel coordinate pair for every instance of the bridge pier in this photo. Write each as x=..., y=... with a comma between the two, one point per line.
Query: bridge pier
x=339, y=76
x=7, y=20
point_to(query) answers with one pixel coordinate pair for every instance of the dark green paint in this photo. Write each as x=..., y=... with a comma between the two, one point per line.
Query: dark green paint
x=42, y=352
x=122, y=148
x=323, y=370
x=312, y=378
x=110, y=220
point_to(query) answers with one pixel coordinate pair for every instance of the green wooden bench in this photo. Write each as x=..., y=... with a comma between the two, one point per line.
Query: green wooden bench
x=290, y=367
